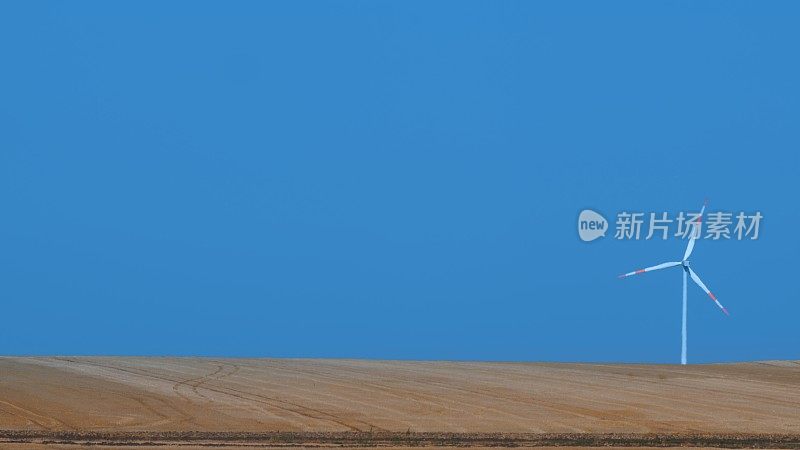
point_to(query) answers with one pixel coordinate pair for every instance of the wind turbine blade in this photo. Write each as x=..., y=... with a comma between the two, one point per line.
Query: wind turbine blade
x=689, y=247
x=650, y=269
x=702, y=285
x=695, y=223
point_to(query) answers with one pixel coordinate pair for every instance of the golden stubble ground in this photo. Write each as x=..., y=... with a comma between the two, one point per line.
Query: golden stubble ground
x=107, y=394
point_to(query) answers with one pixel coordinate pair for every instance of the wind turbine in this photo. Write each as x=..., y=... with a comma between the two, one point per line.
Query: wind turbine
x=687, y=270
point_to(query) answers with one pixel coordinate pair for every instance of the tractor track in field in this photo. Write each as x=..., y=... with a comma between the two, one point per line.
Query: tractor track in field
x=268, y=401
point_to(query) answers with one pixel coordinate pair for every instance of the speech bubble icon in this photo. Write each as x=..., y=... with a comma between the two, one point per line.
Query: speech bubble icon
x=591, y=225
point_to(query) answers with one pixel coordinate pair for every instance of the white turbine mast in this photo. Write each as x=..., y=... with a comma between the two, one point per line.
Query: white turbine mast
x=687, y=271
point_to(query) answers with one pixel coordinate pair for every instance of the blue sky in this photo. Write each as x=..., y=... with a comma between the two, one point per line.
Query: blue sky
x=393, y=179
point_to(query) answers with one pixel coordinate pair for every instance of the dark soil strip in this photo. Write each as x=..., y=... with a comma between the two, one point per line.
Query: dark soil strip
x=394, y=439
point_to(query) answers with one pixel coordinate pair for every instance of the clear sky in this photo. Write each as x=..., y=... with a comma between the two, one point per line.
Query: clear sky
x=393, y=179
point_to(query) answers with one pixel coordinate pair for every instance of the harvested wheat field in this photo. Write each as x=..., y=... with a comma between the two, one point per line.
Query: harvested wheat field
x=68, y=402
